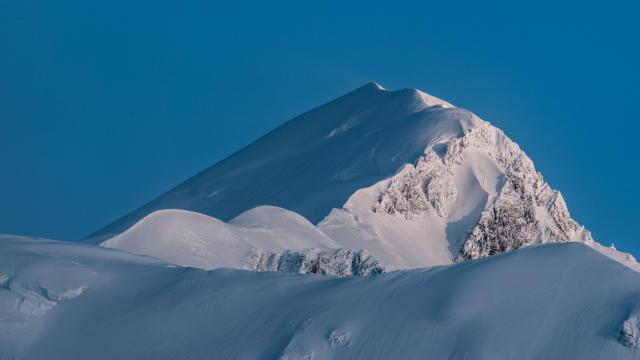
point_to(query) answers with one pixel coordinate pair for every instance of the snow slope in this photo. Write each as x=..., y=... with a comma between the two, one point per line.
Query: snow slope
x=468, y=197
x=74, y=301
x=191, y=239
x=316, y=161
x=407, y=177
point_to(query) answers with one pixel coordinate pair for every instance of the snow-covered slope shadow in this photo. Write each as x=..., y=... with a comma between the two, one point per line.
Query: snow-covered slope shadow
x=555, y=301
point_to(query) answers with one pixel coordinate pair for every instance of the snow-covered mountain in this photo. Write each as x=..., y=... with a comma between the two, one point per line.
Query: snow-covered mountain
x=406, y=176
x=316, y=161
x=397, y=198
x=73, y=301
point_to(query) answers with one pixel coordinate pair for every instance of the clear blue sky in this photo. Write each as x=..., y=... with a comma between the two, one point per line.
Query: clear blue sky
x=105, y=105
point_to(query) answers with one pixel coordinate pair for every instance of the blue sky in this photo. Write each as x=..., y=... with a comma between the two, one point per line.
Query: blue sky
x=105, y=105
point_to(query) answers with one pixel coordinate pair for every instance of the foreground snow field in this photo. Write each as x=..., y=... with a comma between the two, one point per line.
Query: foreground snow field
x=73, y=301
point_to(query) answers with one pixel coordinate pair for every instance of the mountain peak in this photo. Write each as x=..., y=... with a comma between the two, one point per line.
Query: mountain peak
x=431, y=100
x=340, y=166
x=369, y=87
x=425, y=99
x=373, y=85
x=314, y=162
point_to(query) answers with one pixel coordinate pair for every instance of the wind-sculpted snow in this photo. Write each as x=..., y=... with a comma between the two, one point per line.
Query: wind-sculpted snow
x=35, y=300
x=40, y=277
x=190, y=239
x=555, y=301
x=338, y=262
x=316, y=161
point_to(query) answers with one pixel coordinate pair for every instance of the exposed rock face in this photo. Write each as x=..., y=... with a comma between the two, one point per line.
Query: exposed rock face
x=429, y=182
x=339, y=262
x=526, y=211
x=523, y=211
x=629, y=334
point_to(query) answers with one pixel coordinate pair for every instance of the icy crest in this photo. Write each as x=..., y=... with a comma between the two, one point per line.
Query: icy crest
x=338, y=262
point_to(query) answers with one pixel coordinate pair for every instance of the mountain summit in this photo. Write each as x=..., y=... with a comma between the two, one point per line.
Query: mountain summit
x=314, y=162
x=408, y=177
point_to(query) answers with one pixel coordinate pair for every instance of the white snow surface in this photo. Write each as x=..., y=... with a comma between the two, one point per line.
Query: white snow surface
x=406, y=176
x=191, y=239
x=316, y=161
x=63, y=300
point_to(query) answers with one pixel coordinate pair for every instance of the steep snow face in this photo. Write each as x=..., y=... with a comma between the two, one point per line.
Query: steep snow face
x=506, y=307
x=316, y=161
x=190, y=239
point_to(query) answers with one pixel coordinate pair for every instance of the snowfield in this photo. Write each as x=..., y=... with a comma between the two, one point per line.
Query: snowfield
x=73, y=301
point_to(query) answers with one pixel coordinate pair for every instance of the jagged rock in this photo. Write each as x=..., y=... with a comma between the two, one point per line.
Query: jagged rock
x=629, y=333
x=428, y=182
x=339, y=338
x=404, y=196
x=524, y=211
x=339, y=262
